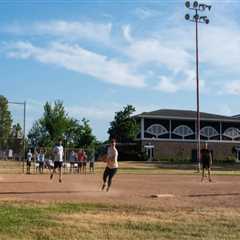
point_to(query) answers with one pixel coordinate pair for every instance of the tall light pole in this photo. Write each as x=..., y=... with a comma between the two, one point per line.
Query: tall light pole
x=196, y=18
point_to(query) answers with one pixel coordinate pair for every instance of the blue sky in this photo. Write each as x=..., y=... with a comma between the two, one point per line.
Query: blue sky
x=98, y=56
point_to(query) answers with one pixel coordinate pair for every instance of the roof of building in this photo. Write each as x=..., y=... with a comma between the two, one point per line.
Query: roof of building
x=185, y=114
x=236, y=116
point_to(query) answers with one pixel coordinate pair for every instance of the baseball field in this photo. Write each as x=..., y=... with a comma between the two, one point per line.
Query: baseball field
x=146, y=201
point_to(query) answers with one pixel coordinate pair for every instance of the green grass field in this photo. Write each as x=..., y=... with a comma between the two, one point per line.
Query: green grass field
x=95, y=221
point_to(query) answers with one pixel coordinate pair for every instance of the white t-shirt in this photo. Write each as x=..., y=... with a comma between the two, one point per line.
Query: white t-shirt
x=112, y=158
x=29, y=156
x=41, y=157
x=10, y=153
x=58, y=153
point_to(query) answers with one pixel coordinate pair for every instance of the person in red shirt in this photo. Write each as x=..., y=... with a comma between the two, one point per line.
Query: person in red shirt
x=80, y=157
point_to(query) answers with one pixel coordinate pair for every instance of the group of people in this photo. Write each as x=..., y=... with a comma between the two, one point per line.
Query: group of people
x=80, y=160
x=40, y=159
x=111, y=160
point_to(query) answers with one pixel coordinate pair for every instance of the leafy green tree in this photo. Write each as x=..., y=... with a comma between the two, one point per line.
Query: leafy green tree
x=5, y=122
x=38, y=136
x=124, y=128
x=55, y=120
x=55, y=123
x=86, y=138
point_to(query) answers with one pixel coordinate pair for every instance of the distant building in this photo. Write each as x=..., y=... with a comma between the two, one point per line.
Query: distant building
x=173, y=134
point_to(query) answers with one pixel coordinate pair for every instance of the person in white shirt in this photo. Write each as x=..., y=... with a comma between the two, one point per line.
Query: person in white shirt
x=112, y=165
x=29, y=159
x=58, y=160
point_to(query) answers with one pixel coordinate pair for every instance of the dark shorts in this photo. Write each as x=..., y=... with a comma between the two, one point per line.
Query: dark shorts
x=41, y=164
x=57, y=164
x=29, y=163
x=84, y=164
x=91, y=164
x=206, y=164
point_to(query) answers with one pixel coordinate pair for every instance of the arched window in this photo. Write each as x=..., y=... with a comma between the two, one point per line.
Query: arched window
x=209, y=132
x=183, y=131
x=157, y=130
x=232, y=133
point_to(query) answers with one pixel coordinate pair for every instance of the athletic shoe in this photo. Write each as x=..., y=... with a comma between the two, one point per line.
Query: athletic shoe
x=60, y=180
x=103, y=186
x=51, y=176
x=107, y=189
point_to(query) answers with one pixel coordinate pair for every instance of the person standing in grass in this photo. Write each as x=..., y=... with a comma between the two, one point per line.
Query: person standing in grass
x=112, y=165
x=206, y=160
x=58, y=160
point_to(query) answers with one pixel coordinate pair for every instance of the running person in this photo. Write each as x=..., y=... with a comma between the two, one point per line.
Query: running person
x=206, y=160
x=58, y=160
x=112, y=165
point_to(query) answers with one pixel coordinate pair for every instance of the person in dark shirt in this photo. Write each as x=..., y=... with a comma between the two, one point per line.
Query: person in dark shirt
x=206, y=160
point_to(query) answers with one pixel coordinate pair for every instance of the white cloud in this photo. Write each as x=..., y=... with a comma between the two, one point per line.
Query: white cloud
x=127, y=33
x=65, y=29
x=154, y=51
x=75, y=58
x=144, y=13
x=232, y=88
x=166, y=85
x=172, y=84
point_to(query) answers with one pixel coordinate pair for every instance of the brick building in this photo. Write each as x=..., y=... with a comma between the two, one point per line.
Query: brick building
x=171, y=134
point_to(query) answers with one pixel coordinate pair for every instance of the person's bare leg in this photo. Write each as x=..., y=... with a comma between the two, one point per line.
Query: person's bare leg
x=60, y=174
x=52, y=173
x=202, y=175
x=209, y=175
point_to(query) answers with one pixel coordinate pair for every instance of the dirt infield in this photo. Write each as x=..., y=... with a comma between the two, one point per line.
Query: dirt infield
x=131, y=189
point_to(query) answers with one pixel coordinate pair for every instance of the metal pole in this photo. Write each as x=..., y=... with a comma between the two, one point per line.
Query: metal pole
x=24, y=134
x=198, y=111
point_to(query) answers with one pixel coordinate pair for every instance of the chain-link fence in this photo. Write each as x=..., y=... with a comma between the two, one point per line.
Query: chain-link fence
x=75, y=160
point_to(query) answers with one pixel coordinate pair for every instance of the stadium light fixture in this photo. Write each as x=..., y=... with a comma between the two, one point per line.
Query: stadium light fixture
x=196, y=18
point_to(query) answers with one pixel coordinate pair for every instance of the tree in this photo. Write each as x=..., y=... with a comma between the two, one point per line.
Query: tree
x=38, y=136
x=55, y=120
x=86, y=138
x=5, y=122
x=124, y=128
x=55, y=123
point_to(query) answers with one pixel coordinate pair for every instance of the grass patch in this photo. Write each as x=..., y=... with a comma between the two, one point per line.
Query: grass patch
x=64, y=221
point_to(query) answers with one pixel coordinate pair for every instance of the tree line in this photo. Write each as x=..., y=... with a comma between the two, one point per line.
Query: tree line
x=56, y=123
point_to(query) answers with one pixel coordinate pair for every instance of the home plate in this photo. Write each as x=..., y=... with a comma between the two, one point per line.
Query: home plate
x=161, y=195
